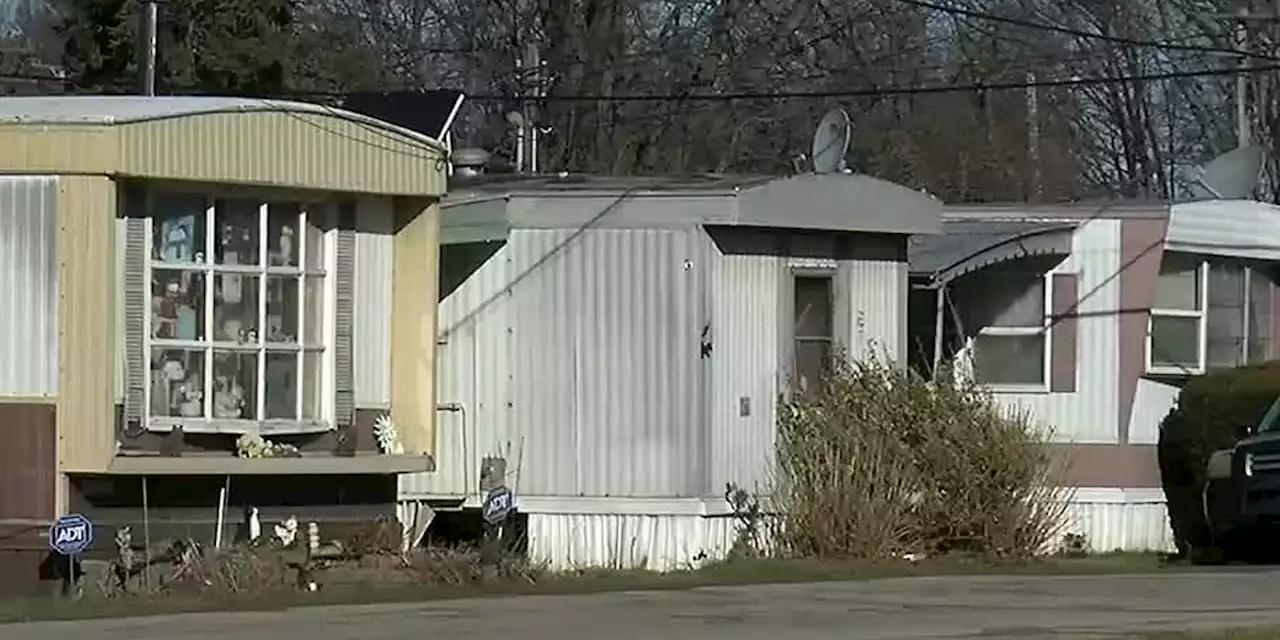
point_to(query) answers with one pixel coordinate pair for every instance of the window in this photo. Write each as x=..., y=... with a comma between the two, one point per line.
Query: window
x=813, y=329
x=1208, y=314
x=237, y=325
x=1010, y=348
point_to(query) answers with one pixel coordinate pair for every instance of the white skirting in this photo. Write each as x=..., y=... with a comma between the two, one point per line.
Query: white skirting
x=666, y=535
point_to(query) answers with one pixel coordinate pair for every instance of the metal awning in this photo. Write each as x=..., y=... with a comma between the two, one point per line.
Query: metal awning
x=967, y=246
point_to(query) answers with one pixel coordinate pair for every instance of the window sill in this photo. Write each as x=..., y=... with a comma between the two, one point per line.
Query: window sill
x=372, y=464
x=1173, y=372
x=1035, y=388
x=238, y=427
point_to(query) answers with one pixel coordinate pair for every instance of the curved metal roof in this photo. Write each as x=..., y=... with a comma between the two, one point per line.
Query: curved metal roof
x=966, y=246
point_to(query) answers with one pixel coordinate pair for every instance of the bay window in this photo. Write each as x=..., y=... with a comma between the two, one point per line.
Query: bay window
x=1008, y=311
x=1208, y=313
x=237, y=330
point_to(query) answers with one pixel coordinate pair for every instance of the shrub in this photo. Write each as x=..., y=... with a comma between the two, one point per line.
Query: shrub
x=876, y=462
x=1210, y=411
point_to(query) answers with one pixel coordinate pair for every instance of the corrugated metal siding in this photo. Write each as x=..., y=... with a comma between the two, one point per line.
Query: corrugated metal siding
x=877, y=294
x=302, y=150
x=587, y=377
x=372, y=342
x=1113, y=520
x=87, y=323
x=747, y=365
x=627, y=541
x=1091, y=412
x=29, y=286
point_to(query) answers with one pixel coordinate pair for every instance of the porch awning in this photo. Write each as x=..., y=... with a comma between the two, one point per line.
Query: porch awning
x=967, y=246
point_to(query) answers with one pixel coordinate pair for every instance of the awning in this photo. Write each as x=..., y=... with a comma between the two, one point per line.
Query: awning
x=967, y=246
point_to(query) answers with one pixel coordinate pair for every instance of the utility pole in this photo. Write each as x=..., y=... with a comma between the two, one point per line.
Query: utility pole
x=520, y=117
x=1242, y=80
x=147, y=36
x=1033, y=137
x=534, y=58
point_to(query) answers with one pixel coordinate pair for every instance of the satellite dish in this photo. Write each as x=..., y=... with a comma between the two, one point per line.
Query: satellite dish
x=831, y=142
x=1231, y=176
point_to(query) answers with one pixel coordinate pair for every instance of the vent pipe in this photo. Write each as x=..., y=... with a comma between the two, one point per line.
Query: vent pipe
x=468, y=163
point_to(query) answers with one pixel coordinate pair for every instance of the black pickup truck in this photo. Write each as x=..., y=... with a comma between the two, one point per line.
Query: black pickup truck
x=1242, y=488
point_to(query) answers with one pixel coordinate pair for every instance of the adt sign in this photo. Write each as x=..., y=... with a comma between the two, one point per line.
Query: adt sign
x=71, y=534
x=498, y=505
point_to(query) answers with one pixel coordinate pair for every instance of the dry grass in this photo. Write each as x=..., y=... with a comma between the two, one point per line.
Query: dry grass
x=451, y=574
x=878, y=462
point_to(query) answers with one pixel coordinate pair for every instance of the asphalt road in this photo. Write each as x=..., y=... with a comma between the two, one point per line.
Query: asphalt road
x=1026, y=608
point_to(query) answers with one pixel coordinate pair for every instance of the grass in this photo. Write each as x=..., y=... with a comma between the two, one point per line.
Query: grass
x=1255, y=633
x=736, y=572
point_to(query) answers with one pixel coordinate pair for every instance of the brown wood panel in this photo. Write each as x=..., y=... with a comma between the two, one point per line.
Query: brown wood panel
x=28, y=461
x=1124, y=466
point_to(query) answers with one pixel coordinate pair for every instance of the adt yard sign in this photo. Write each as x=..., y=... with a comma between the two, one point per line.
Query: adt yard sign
x=71, y=534
x=498, y=505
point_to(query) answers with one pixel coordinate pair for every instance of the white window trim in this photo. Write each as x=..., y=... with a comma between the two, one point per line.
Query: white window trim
x=1201, y=315
x=1043, y=330
x=818, y=269
x=325, y=420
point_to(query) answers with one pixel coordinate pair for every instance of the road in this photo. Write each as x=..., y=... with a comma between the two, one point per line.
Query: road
x=986, y=607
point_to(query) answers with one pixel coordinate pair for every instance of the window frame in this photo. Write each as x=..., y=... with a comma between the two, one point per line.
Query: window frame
x=1042, y=331
x=1201, y=316
x=326, y=271
x=814, y=270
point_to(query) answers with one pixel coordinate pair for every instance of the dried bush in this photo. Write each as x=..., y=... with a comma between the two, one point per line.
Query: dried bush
x=876, y=461
x=456, y=566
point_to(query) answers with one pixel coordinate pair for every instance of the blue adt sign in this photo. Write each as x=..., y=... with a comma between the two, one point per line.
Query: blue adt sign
x=498, y=505
x=71, y=534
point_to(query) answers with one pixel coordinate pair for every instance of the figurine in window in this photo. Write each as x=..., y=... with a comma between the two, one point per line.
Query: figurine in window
x=228, y=400
x=165, y=313
x=191, y=396
x=178, y=240
x=284, y=254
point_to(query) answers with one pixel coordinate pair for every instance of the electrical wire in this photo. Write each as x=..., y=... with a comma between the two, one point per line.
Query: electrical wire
x=874, y=91
x=1079, y=33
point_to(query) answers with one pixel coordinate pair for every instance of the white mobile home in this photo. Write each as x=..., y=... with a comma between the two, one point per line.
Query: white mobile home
x=618, y=343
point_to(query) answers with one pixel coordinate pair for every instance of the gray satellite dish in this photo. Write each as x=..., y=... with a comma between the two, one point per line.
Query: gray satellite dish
x=1231, y=176
x=831, y=142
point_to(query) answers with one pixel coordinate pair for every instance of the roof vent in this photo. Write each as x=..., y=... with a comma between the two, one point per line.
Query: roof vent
x=469, y=162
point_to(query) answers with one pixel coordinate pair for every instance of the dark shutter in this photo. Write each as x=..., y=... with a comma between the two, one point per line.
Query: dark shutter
x=1062, y=333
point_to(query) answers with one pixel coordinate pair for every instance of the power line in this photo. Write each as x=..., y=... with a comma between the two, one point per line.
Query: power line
x=1079, y=33
x=874, y=91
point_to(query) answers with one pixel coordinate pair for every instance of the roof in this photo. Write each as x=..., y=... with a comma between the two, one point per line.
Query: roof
x=1065, y=211
x=526, y=185
x=488, y=206
x=217, y=139
x=1235, y=228
x=965, y=246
